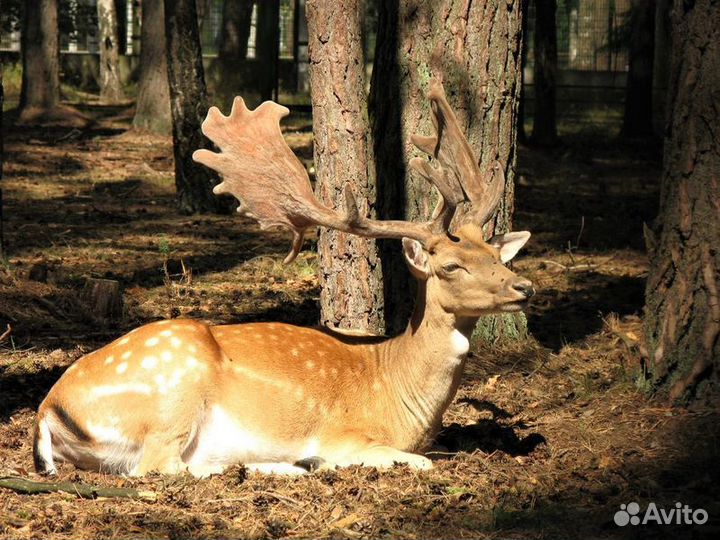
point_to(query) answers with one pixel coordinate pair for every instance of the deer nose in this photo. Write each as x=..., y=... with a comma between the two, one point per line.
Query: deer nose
x=524, y=287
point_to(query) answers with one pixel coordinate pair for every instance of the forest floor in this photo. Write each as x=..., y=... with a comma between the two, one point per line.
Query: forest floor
x=546, y=438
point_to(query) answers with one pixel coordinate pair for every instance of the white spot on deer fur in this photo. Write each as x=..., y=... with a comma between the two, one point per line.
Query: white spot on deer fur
x=109, y=360
x=166, y=356
x=294, y=352
x=261, y=377
x=166, y=333
x=334, y=371
x=299, y=393
x=161, y=383
x=122, y=368
x=322, y=372
x=191, y=362
x=309, y=364
x=105, y=433
x=273, y=337
x=149, y=362
x=124, y=388
x=124, y=341
x=175, y=342
x=376, y=386
x=152, y=342
x=192, y=349
x=126, y=355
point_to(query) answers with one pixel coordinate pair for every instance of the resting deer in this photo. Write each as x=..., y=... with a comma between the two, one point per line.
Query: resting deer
x=181, y=395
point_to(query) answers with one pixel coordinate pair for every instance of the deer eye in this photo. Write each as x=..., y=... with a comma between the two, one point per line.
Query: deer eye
x=449, y=268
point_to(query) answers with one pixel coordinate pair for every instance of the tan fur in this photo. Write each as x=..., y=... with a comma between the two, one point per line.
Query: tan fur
x=168, y=393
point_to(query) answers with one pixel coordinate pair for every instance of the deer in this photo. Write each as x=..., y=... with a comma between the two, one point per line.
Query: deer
x=180, y=395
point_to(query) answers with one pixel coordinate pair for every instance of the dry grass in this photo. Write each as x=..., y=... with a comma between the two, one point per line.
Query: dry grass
x=546, y=437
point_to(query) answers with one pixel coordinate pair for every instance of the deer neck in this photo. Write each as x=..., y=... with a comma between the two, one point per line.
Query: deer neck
x=423, y=367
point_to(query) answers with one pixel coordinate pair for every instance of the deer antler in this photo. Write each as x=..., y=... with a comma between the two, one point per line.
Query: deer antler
x=273, y=187
x=457, y=174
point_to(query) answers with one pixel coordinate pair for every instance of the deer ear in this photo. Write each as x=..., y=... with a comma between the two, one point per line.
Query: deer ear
x=416, y=258
x=509, y=243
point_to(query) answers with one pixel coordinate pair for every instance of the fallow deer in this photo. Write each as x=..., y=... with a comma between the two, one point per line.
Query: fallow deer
x=180, y=395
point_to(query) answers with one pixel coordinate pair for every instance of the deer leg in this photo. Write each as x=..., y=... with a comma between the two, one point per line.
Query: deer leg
x=384, y=457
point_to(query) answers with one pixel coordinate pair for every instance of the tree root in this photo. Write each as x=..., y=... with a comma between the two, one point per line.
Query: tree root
x=85, y=491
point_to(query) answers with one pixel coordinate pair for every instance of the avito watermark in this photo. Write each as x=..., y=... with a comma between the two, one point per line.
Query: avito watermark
x=680, y=514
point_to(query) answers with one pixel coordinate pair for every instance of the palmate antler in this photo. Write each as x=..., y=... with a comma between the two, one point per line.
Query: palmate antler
x=273, y=187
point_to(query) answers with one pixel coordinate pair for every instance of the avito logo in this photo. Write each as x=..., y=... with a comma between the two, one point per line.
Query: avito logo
x=678, y=515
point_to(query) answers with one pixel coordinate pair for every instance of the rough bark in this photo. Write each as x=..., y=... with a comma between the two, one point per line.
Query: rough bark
x=350, y=274
x=40, y=55
x=475, y=48
x=188, y=105
x=682, y=313
x=2, y=157
x=545, y=74
x=266, y=52
x=110, y=86
x=638, y=117
x=521, y=135
x=152, y=111
x=103, y=299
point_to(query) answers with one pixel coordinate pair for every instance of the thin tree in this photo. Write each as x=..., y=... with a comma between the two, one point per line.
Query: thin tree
x=475, y=48
x=2, y=157
x=545, y=74
x=189, y=104
x=350, y=276
x=682, y=313
x=233, y=47
x=268, y=42
x=110, y=85
x=152, y=112
x=638, y=116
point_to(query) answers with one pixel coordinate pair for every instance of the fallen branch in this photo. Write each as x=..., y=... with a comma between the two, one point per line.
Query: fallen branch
x=85, y=491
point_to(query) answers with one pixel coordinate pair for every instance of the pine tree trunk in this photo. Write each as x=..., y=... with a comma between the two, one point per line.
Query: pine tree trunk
x=152, y=111
x=2, y=157
x=350, y=274
x=41, y=56
x=235, y=32
x=110, y=86
x=268, y=28
x=638, y=118
x=545, y=74
x=189, y=105
x=661, y=66
x=682, y=313
x=475, y=48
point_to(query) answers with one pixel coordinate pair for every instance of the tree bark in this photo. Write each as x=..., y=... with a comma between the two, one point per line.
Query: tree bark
x=475, y=48
x=235, y=32
x=682, y=313
x=661, y=65
x=2, y=157
x=189, y=105
x=350, y=274
x=638, y=117
x=545, y=74
x=110, y=86
x=268, y=29
x=40, y=55
x=152, y=112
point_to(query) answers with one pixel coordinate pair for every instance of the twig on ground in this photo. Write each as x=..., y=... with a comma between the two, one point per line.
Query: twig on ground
x=85, y=491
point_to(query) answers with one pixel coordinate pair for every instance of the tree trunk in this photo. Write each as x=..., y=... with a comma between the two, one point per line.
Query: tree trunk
x=544, y=74
x=350, y=274
x=475, y=48
x=682, y=313
x=152, y=111
x=638, y=118
x=2, y=157
x=268, y=30
x=521, y=135
x=661, y=65
x=188, y=103
x=110, y=86
x=41, y=55
x=235, y=31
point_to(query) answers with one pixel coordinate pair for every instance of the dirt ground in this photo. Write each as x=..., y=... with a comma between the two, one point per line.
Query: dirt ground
x=546, y=438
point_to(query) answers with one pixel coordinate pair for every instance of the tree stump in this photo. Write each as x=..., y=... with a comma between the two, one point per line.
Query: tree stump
x=103, y=298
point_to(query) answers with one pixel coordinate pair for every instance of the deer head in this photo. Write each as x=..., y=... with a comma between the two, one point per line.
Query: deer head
x=447, y=253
